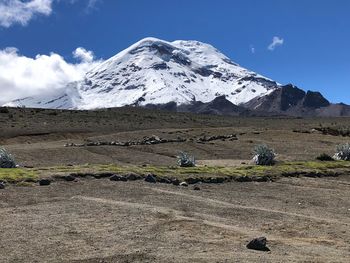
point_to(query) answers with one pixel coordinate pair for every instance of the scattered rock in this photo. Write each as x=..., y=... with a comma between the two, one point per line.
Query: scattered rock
x=196, y=188
x=175, y=181
x=263, y=178
x=117, y=177
x=133, y=177
x=183, y=184
x=43, y=182
x=69, y=178
x=150, y=178
x=215, y=180
x=2, y=185
x=165, y=180
x=30, y=180
x=258, y=244
x=102, y=175
x=244, y=179
x=192, y=180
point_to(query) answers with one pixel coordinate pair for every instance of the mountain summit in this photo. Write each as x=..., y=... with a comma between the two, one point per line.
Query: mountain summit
x=153, y=71
x=183, y=76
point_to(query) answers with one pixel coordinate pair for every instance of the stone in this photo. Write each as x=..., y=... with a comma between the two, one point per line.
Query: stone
x=133, y=177
x=164, y=180
x=192, y=180
x=102, y=175
x=196, y=188
x=69, y=178
x=43, y=182
x=183, y=184
x=258, y=244
x=244, y=179
x=117, y=177
x=150, y=178
x=175, y=181
x=2, y=185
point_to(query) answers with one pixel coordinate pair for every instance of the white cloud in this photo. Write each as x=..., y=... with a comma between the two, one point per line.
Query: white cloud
x=21, y=12
x=22, y=76
x=92, y=4
x=83, y=55
x=252, y=49
x=276, y=41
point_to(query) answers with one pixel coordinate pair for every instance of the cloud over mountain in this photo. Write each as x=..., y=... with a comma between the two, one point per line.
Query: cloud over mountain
x=42, y=74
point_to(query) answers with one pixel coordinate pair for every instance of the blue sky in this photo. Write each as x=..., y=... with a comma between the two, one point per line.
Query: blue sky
x=314, y=55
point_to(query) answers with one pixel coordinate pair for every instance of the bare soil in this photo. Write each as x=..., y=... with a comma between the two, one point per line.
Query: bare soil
x=97, y=220
x=37, y=137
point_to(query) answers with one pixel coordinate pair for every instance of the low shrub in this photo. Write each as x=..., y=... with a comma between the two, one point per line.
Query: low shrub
x=343, y=152
x=6, y=159
x=186, y=160
x=324, y=157
x=263, y=155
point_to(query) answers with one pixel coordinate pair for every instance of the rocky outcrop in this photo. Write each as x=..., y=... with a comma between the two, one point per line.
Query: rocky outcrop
x=292, y=101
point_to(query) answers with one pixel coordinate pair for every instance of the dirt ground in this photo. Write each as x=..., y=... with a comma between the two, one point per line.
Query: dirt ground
x=96, y=220
x=37, y=137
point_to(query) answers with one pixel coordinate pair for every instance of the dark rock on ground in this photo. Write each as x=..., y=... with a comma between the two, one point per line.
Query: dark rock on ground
x=30, y=180
x=263, y=179
x=133, y=177
x=117, y=177
x=192, y=180
x=2, y=185
x=215, y=180
x=244, y=179
x=165, y=180
x=258, y=244
x=196, y=188
x=150, y=178
x=175, y=181
x=183, y=184
x=82, y=174
x=102, y=175
x=44, y=182
x=69, y=178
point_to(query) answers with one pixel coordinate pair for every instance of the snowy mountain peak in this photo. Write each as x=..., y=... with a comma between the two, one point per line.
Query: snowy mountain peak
x=153, y=71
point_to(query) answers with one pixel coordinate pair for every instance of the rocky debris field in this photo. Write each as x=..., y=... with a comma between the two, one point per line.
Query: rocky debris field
x=154, y=139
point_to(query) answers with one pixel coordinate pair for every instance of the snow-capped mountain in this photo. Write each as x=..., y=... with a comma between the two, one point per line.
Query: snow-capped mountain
x=153, y=71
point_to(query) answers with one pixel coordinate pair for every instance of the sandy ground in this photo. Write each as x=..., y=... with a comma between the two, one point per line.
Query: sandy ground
x=96, y=220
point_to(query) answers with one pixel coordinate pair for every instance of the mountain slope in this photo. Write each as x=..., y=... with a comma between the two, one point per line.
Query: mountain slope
x=290, y=100
x=154, y=71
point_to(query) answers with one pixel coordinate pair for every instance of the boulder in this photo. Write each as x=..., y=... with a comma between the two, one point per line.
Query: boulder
x=183, y=184
x=258, y=244
x=117, y=177
x=164, y=180
x=192, y=180
x=133, y=177
x=69, y=178
x=175, y=181
x=2, y=185
x=43, y=182
x=150, y=178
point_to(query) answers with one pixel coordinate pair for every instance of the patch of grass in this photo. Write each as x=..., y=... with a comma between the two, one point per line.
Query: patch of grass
x=15, y=175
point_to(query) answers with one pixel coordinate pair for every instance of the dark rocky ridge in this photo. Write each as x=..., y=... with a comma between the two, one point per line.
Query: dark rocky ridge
x=292, y=101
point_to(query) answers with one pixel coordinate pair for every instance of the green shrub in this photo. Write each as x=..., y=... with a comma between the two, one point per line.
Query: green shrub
x=324, y=157
x=186, y=160
x=6, y=159
x=342, y=152
x=263, y=155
